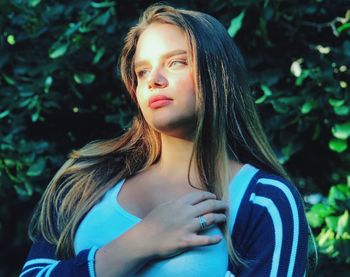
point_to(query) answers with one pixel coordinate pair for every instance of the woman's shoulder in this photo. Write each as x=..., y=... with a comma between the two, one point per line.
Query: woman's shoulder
x=272, y=188
x=267, y=223
x=255, y=192
x=250, y=181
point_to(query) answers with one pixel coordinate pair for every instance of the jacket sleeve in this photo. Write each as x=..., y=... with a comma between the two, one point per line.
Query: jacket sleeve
x=42, y=261
x=271, y=233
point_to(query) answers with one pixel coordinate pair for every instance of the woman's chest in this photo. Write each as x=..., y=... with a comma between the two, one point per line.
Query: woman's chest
x=107, y=221
x=139, y=197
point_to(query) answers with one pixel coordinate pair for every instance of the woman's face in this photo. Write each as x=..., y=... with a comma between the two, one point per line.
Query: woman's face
x=165, y=86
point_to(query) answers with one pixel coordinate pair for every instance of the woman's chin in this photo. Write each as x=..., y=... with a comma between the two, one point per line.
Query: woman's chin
x=174, y=130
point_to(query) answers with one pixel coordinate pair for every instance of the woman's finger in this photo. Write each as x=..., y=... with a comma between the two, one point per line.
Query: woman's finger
x=210, y=220
x=208, y=206
x=202, y=240
x=195, y=197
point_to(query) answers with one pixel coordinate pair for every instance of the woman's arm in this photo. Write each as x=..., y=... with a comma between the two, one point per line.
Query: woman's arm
x=168, y=230
x=271, y=230
x=42, y=261
x=124, y=256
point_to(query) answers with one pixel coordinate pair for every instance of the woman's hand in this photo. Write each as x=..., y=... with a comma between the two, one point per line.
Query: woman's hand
x=173, y=227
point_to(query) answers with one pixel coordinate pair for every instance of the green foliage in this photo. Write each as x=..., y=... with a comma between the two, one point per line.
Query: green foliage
x=39, y=80
x=305, y=84
x=236, y=24
x=332, y=219
x=59, y=89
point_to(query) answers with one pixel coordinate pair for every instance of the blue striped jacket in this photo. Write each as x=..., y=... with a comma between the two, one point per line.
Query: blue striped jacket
x=267, y=224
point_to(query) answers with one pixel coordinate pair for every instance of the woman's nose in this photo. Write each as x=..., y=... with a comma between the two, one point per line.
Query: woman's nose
x=157, y=80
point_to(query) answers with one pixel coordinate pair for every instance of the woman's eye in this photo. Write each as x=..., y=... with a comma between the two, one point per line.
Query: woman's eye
x=141, y=73
x=177, y=63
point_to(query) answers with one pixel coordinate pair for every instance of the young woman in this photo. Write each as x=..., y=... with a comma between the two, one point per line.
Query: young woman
x=191, y=189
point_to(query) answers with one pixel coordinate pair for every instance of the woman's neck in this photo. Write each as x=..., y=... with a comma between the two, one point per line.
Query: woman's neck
x=175, y=159
x=175, y=156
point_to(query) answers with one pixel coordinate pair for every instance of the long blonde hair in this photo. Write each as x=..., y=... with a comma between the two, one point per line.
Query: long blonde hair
x=228, y=128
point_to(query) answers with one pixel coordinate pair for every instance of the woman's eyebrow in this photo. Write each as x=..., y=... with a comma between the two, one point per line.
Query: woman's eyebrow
x=164, y=56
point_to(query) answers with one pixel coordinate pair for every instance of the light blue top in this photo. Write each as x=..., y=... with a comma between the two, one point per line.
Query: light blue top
x=108, y=220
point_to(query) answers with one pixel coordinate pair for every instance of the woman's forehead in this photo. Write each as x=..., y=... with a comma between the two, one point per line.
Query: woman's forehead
x=158, y=39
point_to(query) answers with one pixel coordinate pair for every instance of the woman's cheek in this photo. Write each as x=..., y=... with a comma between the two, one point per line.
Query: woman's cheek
x=142, y=101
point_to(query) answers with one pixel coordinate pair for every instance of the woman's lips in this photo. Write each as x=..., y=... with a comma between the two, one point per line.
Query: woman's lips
x=158, y=101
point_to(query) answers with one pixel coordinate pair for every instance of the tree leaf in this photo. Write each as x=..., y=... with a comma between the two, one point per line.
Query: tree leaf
x=35, y=116
x=322, y=209
x=84, y=78
x=338, y=145
x=325, y=237
x=342, y=110
x=260, y=99
x=314, y=219
x=101, y=51
x=341, y=131
x=343, y=223
x=337, y=194
x=236, y=24
x=307, y=106
x=336, y=102
x=4, y=114
x=47, y=83
x=8, y=79
x=102, y=19
x=11, y=39
x=37, y=168
x=332, y=222
x=343, y=27
x=34, y=3
x=300, y=79
x=267, y=91
x=102, y=5
x=58, y=50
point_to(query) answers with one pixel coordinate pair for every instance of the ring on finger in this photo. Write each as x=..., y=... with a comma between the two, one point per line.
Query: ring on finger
x=202, y=222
